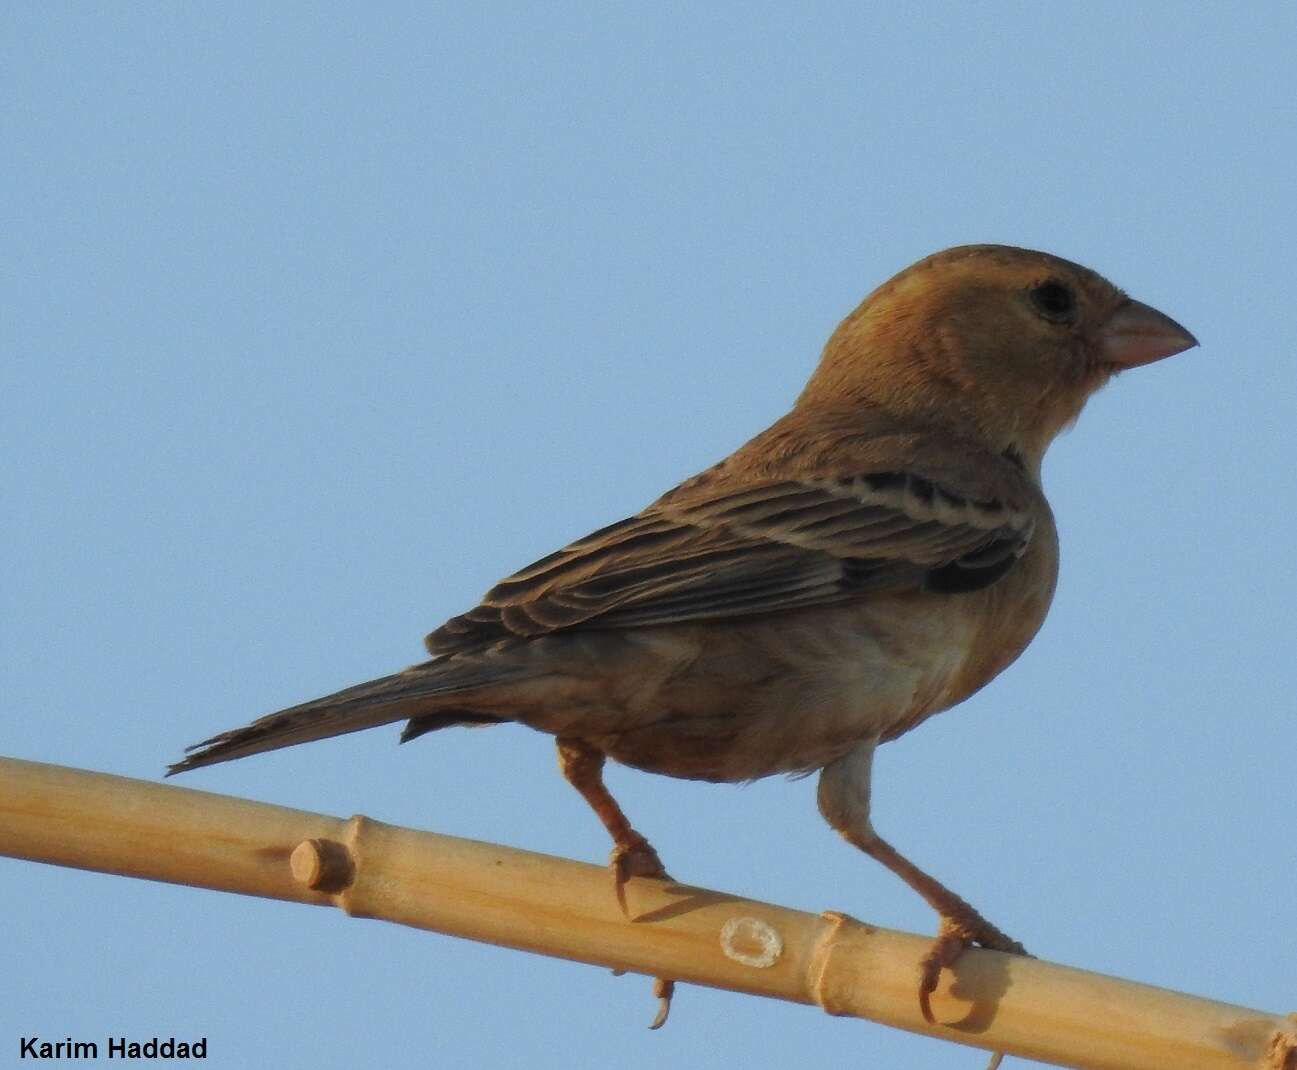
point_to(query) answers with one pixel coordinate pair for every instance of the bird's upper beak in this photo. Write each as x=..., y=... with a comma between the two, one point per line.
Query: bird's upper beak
x=1136, y=334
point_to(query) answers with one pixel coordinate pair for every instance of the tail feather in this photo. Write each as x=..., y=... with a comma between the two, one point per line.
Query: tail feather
x=413, y=693
x=434, y=722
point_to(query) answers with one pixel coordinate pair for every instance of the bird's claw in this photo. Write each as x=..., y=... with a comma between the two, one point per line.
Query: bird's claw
x=663, y=989
x=634, y=858
x=953, y=937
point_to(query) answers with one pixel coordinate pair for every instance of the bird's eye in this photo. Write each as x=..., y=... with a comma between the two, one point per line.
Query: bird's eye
x=1053, y=300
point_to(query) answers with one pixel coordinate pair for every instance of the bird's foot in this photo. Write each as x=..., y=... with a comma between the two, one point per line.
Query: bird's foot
x=633, y=857
x=953, y=937
x=632, y=854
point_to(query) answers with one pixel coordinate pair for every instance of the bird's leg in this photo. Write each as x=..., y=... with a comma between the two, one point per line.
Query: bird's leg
x=844, y=802
x=632, y=855
x=961, y=925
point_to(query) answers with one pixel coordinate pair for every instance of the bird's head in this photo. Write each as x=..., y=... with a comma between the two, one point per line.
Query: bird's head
x=998, y=343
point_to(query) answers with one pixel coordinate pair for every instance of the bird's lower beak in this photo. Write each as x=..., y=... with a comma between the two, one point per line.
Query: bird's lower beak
x=1136, y=334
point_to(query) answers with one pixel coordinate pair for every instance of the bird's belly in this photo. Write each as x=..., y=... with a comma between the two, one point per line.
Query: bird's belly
x=786, y=695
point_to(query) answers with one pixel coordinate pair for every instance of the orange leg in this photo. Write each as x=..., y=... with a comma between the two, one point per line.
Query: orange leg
x=632, y=855
x=844, y=801
x=961, y=925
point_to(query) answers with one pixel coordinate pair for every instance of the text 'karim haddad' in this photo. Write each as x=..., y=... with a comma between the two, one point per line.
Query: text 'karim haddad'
x=117, y=1048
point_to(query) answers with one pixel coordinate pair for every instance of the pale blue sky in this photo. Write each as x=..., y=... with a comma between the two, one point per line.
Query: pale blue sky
x=319, y=319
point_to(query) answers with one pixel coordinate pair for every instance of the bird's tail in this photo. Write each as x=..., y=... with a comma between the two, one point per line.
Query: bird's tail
x=422, y=693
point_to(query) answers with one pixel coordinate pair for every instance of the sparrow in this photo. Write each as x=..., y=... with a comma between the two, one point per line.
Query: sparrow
x=874, y=557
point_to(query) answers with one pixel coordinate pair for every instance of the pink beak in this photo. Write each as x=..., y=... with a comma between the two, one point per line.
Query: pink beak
x=1136, y=334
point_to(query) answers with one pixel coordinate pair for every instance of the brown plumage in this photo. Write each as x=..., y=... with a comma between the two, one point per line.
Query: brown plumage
x=874, y=557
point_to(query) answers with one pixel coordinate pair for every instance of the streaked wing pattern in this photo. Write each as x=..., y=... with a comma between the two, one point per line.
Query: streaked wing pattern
x=715, y=554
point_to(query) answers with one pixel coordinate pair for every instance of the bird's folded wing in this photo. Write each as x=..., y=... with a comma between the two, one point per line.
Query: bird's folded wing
x=722, y=553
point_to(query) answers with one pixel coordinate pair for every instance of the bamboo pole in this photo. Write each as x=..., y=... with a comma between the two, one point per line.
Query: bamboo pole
x=557, y=907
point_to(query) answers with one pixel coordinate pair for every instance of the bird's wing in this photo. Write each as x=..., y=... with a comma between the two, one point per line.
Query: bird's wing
x=719, y=553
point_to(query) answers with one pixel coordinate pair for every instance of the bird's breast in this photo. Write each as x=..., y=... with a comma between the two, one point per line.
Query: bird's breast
x=997, y=624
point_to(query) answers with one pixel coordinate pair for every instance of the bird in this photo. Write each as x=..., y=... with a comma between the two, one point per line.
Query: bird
x=874, y=557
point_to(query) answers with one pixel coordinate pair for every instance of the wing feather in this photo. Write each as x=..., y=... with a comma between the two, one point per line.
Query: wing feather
x=721, y=553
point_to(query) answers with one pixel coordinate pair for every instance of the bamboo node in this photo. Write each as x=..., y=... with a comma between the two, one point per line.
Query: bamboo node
x=752, y=942
x=824, y=980
x=1281, y=1053
x=323, y=865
